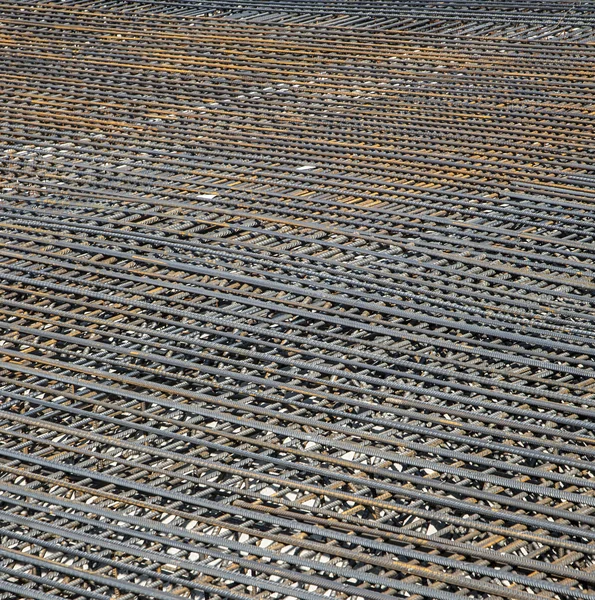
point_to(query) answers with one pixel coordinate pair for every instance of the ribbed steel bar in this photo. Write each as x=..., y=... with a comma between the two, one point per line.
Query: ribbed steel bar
x=546, y=19
x=297, y=300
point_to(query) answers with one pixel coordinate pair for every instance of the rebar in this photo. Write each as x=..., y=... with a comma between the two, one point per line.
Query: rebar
x=297, y=300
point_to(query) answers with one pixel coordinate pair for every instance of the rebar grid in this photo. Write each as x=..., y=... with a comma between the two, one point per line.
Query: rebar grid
x=296, y=300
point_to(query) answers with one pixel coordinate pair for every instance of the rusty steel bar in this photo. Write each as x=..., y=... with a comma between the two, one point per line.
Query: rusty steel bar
x=296, y=300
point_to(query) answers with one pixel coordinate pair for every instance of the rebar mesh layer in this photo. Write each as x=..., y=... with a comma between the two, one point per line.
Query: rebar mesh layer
x=296, y=300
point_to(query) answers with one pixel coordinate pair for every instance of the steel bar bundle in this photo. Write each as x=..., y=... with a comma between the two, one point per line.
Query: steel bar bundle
x=297, y=300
